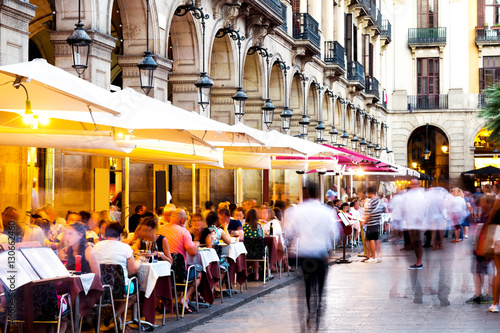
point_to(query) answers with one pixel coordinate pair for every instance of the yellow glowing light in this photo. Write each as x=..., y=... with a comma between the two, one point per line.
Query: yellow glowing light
x=414, y=165
x=44, y=120
x=120, y=135
x=444, y=148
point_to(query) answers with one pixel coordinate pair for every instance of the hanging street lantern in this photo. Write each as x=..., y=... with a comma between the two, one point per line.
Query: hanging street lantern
x=354, y=142
x=304, y=122
x=363, y=145
x=239, y=100
x=345, y=138
x=268, y=112
x=80, y=45
x=334, y=135
x=320, y=130
x=378, y=150
x=204, y=86
x=286, y=118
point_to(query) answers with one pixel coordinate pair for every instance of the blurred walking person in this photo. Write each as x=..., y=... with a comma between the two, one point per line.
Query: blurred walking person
x=313, y=225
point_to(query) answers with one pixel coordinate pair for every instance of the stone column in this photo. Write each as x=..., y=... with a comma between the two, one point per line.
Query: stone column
x=15, y=16
x=327, y=23
x=130, y=75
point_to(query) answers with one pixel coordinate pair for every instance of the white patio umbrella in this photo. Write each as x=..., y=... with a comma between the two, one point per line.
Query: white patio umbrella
x=49, y=89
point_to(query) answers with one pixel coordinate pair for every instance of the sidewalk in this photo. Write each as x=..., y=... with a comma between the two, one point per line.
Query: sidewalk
x=376, y=297
x=255, y=291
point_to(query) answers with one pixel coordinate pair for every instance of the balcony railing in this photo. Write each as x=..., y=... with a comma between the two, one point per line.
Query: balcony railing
x=426, y=35
x=426, y=102
x=379, y=18
x=305, y=27
x=334, y=53
x=275, y=5
x=483, y=34
x=283, y=15
x=371, y=86
x=355, y=72
x=386, y=29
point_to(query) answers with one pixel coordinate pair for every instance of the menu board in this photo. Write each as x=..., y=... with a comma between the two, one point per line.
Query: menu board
x=344, y=219
x=30, y=265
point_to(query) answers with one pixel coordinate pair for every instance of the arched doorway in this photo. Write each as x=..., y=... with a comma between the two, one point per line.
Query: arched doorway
x=436, y=165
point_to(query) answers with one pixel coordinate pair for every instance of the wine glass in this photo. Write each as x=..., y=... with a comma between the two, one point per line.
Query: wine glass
x=64, y=259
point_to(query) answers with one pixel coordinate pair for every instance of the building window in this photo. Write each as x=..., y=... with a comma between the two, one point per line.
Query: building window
x=490, y=73
x=428, y=76
x=427, y=11
x=491, y=12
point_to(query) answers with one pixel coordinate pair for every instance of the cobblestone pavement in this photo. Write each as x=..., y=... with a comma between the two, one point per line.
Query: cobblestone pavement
x=377, y=297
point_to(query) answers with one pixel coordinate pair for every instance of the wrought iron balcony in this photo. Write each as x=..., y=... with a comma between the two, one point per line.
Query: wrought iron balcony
x=427, y=102
x=271, y=9
x=386, y=31
x=488, y=36
x=283, y=15
x=305, y=27
x=334, y=53
x=371, y=87
x=426, y=36
x=356, y=75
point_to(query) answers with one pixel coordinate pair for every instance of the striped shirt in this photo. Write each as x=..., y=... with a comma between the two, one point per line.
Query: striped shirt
x=373, y=212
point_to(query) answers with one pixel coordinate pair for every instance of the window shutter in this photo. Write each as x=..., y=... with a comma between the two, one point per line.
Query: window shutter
x=481, y=79
x=480, y=13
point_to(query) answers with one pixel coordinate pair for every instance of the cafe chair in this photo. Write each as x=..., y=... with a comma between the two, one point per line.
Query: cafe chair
x=114, y=276
x=218, y=250
x=257, y=251
x=60, y=313
x=181, y=278
x=106, y=300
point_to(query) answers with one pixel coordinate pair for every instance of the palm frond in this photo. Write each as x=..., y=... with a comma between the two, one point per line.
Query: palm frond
x=491, y=112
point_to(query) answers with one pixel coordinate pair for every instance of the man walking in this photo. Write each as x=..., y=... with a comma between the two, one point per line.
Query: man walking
x=373, y=216
x=313, y=225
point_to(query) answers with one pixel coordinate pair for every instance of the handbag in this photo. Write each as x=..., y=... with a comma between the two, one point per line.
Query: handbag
x=489, y=239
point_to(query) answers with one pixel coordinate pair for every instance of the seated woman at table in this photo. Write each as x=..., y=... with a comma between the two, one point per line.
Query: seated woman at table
x=77, y=245
x=267, y=218
x=146, y=234
x=216, y=234
x=112, y=251
x=199, y=231
x=253, y=229
x=44, y=224
x=33, y=233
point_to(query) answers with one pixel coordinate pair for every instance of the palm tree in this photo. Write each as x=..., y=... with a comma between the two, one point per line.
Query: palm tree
x=491, y=112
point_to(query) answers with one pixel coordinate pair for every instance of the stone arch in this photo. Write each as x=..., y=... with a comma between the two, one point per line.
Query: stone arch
x=475, y=132
x=40, y=45
x=338, y=109
x=133, y=16
x=438, y=164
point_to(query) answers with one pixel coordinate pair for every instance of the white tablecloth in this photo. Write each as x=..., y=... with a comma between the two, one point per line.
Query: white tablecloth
x=87, y=280
x=204, y=258
x=149, y=273
x=234, y=250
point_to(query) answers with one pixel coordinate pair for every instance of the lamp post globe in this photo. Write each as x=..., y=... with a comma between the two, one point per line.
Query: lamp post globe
x=147, y=66
x=304, y=122
x=370, y=149
x=204, y=86
x=320, y=131
x=239, y=100
x=354, y=142
x=268, y=111
x=80, y=48
x=344, y=138
x=363, y=145
x=334, y=135
x=378, y=150
x=286, y=117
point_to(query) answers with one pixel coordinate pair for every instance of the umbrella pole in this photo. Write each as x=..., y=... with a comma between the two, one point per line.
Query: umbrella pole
x=31, y=176
x=274, y=186
x=322, y=187
x=351, y=182
x=193, y=181
x=239, y=194
x=126, y=190
x=301, y=187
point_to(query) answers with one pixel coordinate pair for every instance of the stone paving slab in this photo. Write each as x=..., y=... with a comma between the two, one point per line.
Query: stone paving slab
x=358, y=298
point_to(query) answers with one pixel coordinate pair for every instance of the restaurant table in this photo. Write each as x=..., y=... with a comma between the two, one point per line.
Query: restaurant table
x=154, y=280
x=84, y=290
x=275, y=247
x=236, y=255
x=209, y=260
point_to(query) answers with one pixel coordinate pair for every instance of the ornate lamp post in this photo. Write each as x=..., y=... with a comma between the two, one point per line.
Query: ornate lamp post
x=363, y=142
x=334, y=134
x=147, y=65
x=240, y=97
x=320, y=128
x=370, y=145
x=354, y=140
x=286, y=115
x=204, y=84
x=304, y=122
x=378, y=149
x=427, y=153
x=268, y=108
